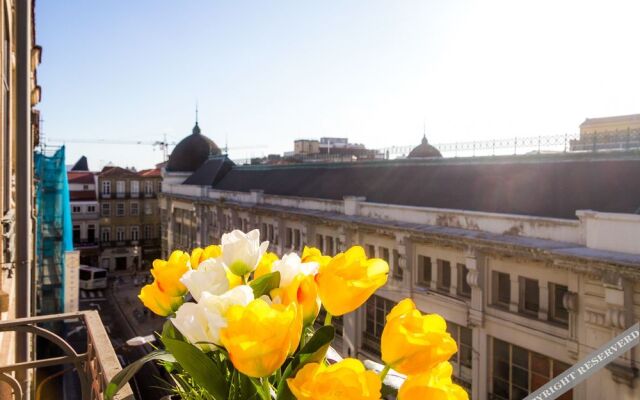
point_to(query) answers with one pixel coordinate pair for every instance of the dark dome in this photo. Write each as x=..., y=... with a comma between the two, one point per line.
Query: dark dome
x=424, y=150
x=192, y=152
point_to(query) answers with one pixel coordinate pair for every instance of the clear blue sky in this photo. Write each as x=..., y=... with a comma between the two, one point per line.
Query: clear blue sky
x=267, y=72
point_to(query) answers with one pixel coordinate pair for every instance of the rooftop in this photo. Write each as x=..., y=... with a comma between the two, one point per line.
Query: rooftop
x=546, y=185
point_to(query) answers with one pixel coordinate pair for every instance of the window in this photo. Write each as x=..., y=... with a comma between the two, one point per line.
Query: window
x=461, y=361
x=444, y=275
x=516, y=371
x=529, y=296
x=135, y=188
x=501, y=289
x=296, y=239
x=76, y=233
x=91, y=233
x=120, y=188
x=133, y=206
x=397, y=271
x=424, y=271
x=159, y=186
x=328, y=242
x=464, y=290
x=320, y=242
x=288, y=238
x=85, y=187
x=371, y=251
x=119, y=209
x=106, y=187
x=147, y=232
x=270, y=234
x=91, y=209
x=106, y=209
x=120, y=233
x=383, y=253
x=76, y=209
x=148, y=187
x=105, y=234
x=147, y=209
x=557, y=311
x=377, y=309
x=135, y=233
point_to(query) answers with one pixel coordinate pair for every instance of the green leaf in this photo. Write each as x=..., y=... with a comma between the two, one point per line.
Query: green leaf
x=199, y=366
x=265, y=284
x=130, y=370
x=169, y=331
x=314, y=351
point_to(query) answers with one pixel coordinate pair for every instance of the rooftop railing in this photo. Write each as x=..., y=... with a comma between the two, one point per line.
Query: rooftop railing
x=95, y=366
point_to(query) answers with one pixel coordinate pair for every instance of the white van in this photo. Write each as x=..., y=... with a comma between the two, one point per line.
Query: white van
x=92, y=278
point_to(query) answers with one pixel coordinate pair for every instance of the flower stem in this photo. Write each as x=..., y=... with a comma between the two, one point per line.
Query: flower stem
x=327, y=319
x=266, y=388
x=384, y=372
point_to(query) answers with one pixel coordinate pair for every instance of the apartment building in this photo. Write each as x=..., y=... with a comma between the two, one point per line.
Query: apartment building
x=85, y=215
x=129, y=233
x=532, y=260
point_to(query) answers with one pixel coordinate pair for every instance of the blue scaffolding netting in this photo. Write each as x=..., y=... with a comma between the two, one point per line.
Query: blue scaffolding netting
x=53, y=229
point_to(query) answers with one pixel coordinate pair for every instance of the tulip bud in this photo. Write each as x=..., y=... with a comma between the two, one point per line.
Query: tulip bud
x=349, y=279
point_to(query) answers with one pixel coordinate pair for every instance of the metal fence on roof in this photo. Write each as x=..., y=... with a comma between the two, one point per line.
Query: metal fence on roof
x=589, y=142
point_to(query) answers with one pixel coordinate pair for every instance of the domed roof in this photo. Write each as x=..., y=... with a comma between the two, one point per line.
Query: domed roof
x=424, y=150
x=192, y=152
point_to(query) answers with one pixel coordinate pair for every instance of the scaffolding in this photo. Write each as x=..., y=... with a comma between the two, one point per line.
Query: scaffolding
x=53, y=230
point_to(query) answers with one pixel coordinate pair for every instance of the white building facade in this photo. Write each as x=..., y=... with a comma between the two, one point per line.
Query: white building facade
x=525, y=297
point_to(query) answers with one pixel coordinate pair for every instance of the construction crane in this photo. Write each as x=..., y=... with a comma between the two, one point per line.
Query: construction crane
x=162, y=144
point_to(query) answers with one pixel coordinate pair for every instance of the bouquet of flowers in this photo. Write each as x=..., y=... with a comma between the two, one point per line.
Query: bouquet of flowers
x=241, y=326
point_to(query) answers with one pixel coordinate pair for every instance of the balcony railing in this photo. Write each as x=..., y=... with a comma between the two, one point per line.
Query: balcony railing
x=94, y=367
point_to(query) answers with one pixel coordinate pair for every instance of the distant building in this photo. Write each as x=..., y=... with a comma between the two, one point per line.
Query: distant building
x=425, y=150
x=502, y=247
x=129, y=218
x=306, y=147
x=609, y=133
x=83, y=193
x=330, y=149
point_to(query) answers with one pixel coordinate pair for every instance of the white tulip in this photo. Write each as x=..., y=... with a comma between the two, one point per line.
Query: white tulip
x=242, y=252
x=291, y=265
x=199, y=326
x=210, y=276
x=200, y=323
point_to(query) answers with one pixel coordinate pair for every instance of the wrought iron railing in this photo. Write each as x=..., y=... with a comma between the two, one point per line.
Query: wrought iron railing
x=94, y=366
x=628, y=139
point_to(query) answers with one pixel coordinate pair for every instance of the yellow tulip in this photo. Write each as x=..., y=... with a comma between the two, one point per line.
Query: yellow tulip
x=264, y=267
x=413, y=343
x=346, y=379
x=157, y=301
x=168, y=273
x=260, y=336
x=349, y=279
x=199, y=254
x=434, y=384
x=234, y=280
x=304, y=291
x=312, y=254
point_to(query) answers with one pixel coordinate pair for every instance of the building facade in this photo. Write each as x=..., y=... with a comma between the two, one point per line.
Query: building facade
x=85, y=212
x=504, y=249
x=129, y=233
x=620, y=132
x=19, y=82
